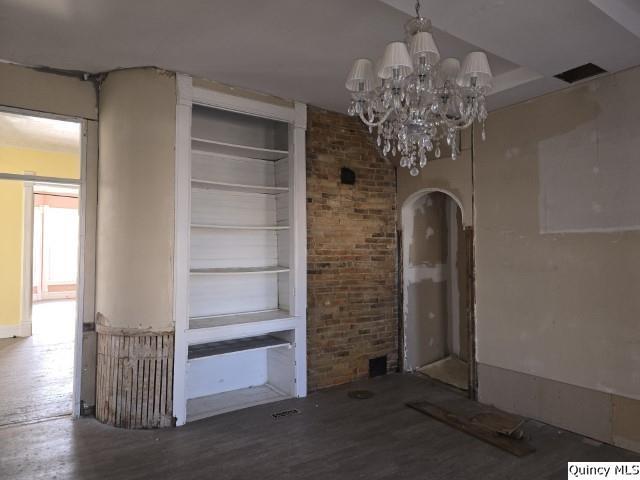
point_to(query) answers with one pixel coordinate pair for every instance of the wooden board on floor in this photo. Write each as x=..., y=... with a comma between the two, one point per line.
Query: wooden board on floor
x=519, y=448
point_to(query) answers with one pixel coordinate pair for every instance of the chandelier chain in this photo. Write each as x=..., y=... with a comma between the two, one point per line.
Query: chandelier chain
x=418, y=8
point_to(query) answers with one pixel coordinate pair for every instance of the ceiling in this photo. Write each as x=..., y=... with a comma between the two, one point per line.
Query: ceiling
x=39, y=133
x=303, y=49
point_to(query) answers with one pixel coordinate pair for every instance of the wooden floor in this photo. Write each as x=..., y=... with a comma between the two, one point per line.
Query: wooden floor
x=333, y=437
x=36, y=373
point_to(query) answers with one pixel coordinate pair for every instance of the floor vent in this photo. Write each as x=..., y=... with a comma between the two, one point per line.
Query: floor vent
x=285, y=413
x=582, y=72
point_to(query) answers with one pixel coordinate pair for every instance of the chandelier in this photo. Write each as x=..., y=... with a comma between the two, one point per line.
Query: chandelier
x=416, y=101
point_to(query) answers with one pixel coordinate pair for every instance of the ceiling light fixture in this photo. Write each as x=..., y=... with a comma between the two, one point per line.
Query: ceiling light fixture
x=415, y=100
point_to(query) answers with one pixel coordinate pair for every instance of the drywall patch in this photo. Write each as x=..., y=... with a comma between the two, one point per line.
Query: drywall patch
x=588, y=174
x=578, y=409
x=626, y=422
x=426, y=329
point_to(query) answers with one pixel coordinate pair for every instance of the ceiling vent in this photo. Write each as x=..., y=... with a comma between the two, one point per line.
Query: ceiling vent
x=582, y=72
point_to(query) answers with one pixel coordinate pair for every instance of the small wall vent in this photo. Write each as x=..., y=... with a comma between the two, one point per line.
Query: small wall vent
x=347, y=176
x=378, y=366
x=582, y=72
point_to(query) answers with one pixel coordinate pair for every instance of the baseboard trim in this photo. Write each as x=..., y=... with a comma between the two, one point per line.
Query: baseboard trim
x=25, y=329
x=8, y=331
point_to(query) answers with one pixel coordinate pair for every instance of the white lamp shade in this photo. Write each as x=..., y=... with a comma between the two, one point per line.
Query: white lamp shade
x=423, y=45
x=475, y=65
x=361, y=74
x=396, y=56
x=449, y=69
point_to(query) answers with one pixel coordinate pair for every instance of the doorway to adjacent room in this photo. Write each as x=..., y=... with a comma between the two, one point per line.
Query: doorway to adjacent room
x=40, y=182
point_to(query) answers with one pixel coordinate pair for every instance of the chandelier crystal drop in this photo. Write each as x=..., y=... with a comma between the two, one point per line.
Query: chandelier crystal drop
x=416, y=102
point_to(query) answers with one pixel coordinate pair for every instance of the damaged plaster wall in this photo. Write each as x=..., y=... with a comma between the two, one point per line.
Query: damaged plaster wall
x=136, y=207
x=444, y=174
x=558, y=257
x=425, y=273
x=30, y=89
x=433, y=324
x=426, y=266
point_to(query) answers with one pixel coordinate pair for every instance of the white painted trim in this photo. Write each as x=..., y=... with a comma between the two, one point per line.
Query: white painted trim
x=240, y=330
x=39, y=179
x=226, y=101
x=82, y=246
x=182, y=232
x=9, y=331
x=27, y=260
x=184, y=89
x=298, y=245
x=300, y=120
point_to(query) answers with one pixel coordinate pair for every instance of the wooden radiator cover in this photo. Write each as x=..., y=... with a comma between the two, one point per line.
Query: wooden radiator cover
x=134, y=387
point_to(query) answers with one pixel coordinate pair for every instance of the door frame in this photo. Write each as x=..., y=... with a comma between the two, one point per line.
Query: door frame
x=27, y=260
x=83, y=241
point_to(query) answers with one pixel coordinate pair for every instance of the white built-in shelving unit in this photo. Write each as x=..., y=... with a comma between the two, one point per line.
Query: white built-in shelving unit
x=240, y=267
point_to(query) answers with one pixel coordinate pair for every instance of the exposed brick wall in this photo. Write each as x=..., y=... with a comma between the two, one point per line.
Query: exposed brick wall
x=352, y=269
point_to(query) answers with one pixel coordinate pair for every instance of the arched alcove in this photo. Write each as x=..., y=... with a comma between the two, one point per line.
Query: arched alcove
x=435, y=288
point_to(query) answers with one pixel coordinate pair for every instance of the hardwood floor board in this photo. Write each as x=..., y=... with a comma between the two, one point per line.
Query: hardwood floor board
x=36, y=373
x=334, y=437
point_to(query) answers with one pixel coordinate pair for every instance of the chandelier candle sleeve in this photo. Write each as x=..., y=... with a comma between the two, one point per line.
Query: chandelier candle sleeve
x=361, y=76
x=475, y=66
x=414, y=100
x=396, y=61
x=423, y=46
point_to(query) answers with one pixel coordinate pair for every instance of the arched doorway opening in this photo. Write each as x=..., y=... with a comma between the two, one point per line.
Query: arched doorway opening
x=436, y=289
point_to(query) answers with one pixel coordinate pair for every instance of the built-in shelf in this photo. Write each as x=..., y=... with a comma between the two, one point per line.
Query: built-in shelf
x=237, y=319
x=238, y=271
x=241, y=227
x=204, y=145
x=242, y=345
x=259, y=342
x=204, y=407
x=236, y=187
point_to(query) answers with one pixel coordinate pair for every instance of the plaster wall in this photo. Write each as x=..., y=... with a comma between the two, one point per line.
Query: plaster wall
x=450, y=176
x=557, y=251
x=27, y=88
x=136, y=207
x=557, y=257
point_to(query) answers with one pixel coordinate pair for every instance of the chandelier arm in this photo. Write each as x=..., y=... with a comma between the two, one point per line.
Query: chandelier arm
x=379, y=122
x=466, y=125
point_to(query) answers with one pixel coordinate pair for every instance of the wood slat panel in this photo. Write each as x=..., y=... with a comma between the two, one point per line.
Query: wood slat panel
x=233, y=248
x=222, y=294
x=232, y=208
x=223, y=168
x=135, y=380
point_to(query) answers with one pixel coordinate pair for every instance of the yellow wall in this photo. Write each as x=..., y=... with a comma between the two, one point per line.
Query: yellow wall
x=21, y=160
